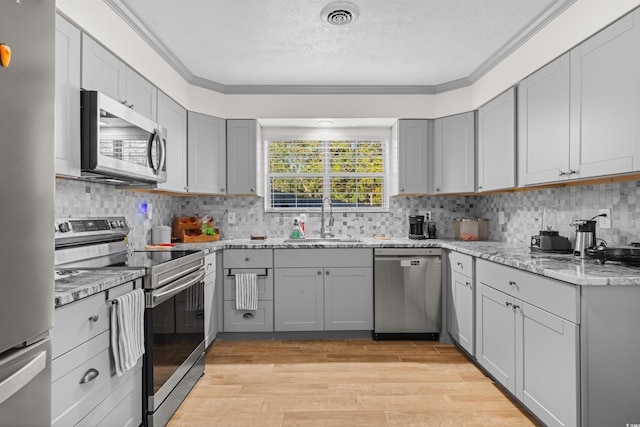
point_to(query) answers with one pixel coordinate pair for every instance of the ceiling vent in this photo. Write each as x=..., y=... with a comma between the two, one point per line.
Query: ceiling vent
x=339, y=13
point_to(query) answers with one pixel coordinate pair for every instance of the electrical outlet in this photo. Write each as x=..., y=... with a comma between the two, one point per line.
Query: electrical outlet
x=231, y=218
x=427, y=216
x=604, y=222
x=501, y=217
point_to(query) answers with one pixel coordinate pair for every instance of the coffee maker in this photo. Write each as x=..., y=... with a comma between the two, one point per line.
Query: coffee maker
x=416, y=227
x=585, y=236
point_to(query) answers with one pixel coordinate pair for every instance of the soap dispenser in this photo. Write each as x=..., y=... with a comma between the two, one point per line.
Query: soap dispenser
x=296, y=231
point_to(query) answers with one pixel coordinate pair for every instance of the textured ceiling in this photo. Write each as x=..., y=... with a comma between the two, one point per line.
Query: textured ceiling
x=285, y=42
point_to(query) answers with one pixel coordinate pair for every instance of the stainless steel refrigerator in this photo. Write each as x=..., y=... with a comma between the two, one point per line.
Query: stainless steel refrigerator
x=27, y=186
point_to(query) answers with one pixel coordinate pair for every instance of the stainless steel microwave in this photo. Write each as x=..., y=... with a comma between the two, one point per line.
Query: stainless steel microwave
x=118, y=144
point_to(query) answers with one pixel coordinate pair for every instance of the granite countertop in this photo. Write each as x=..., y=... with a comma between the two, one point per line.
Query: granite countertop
x=84, y=283
x=563, y=267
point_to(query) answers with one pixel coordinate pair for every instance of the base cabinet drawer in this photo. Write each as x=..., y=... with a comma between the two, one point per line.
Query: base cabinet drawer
x=78, y=322
x=260, y=320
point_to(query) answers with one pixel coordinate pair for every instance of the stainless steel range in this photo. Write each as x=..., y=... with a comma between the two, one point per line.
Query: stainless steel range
x=174, y=315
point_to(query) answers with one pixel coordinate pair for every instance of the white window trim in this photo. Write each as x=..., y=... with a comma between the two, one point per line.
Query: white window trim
x=293, y=134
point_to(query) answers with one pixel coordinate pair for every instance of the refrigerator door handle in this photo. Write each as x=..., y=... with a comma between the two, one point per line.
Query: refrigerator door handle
x=22, y=377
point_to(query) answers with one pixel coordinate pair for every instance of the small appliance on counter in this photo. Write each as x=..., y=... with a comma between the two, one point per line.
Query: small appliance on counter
x=416, y=227
x=585, y=236
x=470, y=229
x=626, y=254
x=549, y=239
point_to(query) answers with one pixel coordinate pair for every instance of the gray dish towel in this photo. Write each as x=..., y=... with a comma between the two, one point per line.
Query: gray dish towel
x=127, y=330
x=246, y=291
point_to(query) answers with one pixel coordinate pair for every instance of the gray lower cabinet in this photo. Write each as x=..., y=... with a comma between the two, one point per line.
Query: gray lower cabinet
x=528, y=339
x=299, y=297
x=323, y=289
x=461, y=301
x=251, y=261
x=85, y=389
x=210, y=309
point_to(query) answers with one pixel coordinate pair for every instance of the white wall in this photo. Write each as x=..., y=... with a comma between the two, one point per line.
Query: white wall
x=578, y=22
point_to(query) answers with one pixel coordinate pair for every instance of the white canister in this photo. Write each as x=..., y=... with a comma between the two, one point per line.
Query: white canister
x=160, y=234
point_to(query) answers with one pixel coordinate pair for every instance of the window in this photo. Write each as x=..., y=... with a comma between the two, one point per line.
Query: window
x=301, y=173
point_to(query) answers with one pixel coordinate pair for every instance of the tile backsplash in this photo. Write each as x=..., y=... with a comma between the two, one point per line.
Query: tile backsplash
x=522, y=212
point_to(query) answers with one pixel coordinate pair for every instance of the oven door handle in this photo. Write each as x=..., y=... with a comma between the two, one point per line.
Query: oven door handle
x=175, y=288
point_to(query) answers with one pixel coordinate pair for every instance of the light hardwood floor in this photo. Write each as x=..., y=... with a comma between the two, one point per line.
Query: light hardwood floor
x=344, y=383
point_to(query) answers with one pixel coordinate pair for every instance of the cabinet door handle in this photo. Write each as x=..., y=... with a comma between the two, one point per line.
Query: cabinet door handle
x=319, y=273
x=248, y=315
x=247, y=259
x=468, y=283
x=508, y=304
x=515, y=307
x=460, y=265
x=90, y=375
x=402, y=190
x=94, y=318
x=253, y=190
x=326, y=272
x=512, y=283
x=562, y=173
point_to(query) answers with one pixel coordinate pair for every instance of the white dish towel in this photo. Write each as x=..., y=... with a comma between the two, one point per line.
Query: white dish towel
x=246, y=291
x=127, y=330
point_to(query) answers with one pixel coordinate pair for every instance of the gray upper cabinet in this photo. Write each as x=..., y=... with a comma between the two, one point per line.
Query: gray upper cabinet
x=605, y=100
x=173, y=117
x=206, y=154
x=543, y=124
x=104, y=72
x=453, y=154
x=410, y=153
x=497, y=143
x=67, y=112
x=241, y=157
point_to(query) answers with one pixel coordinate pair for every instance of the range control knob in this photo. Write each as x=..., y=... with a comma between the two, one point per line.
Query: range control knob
x=114, y=224
x=63, y=227
x=120, y=223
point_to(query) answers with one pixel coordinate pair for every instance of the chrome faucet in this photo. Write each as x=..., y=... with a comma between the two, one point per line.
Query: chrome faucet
x=325, y=230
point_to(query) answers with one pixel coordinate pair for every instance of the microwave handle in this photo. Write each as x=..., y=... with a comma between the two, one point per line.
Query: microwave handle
x=157, y=138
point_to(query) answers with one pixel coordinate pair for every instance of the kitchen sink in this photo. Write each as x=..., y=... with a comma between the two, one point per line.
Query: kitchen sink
x=325, y=240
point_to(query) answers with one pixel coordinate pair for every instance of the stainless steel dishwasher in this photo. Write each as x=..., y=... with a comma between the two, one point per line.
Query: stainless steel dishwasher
x=407, y=292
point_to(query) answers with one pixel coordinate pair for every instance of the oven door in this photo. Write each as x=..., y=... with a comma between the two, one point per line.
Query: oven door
x=174, y=330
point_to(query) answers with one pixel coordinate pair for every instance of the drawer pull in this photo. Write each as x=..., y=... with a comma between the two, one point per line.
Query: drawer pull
x=91, y=375
x=460, y=265
x=326, y=272
x=515, y=307
x=508, y=304
x=248, y=315
x=468, y=283
x=247, y=259
x=319, y=273
x=200, y=316
x=94, y=318
x=512, y=283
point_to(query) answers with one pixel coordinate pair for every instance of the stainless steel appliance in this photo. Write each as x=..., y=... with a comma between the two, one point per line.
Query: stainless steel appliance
x=174, y=315
x=119, y=145
x=626, y=254
x=585, y=236
x=27, y=194
x=416, y=227
x=407, y=293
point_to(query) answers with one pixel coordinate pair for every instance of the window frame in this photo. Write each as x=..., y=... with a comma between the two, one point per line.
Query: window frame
x=382, y=135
